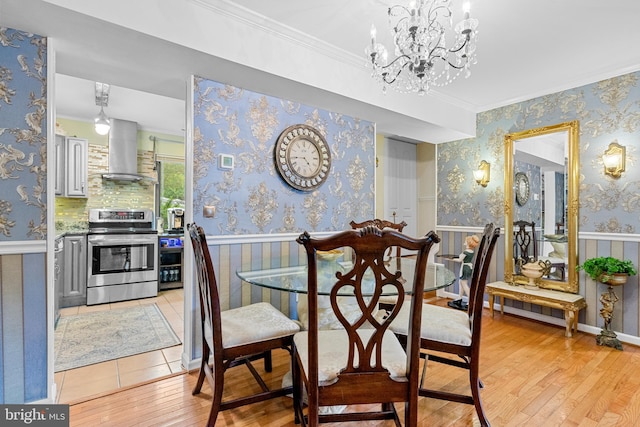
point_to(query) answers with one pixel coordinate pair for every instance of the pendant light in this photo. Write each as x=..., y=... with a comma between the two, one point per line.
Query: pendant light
x=101, y=122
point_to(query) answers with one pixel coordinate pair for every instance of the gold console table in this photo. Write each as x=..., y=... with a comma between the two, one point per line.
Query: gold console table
x=571, y=304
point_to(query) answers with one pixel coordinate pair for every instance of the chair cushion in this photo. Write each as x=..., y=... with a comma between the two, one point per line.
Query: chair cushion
x=253, y=323
x=438, y=324
x=333, y=351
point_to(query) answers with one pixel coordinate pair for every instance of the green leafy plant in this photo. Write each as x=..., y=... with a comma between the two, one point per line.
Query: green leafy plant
x=596, y=267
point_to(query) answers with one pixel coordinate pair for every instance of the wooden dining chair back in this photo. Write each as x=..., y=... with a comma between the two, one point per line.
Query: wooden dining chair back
x=449, y=331
x=362, y=363
x=525, y=245
x=382, y=224
x=234, y=337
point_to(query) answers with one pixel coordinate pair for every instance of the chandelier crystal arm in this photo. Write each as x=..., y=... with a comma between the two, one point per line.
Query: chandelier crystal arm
x=394, y=73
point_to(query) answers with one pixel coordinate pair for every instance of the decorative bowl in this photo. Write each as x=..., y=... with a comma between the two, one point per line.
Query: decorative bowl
x=331, y=255
x=533, y=271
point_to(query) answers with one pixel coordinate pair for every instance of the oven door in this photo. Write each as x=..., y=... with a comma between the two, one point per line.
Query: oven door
x=116, y=259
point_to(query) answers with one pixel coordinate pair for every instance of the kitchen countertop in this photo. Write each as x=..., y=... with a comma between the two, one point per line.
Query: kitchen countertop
x=71, y=228
x=170, y=235
x=64, y=233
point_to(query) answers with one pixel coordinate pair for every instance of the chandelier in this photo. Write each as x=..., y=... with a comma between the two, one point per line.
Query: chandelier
x=423, y=58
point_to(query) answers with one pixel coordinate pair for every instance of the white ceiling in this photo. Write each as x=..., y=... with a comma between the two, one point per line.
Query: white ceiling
x=312, y=52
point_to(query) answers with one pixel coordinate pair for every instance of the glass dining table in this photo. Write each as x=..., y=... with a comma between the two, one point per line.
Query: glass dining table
x=294, y=278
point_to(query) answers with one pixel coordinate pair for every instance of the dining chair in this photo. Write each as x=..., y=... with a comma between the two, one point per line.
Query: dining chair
x=451, y=331
x=525, y=245
x=363, y=363
x=234, y=337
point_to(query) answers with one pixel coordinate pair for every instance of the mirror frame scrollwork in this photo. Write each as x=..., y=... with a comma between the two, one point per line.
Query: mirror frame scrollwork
x=573, y=174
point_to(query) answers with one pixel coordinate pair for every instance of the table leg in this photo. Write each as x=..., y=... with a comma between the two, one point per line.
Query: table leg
x=569, y=317
x=491, y=302
x=501, y=305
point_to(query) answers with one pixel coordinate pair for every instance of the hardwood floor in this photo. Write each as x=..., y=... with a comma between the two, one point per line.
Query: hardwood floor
x=533, y=376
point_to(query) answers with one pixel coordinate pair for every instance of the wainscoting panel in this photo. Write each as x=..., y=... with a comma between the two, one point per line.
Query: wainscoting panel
x=229, y=258
x=626, y=316
x=23, y=320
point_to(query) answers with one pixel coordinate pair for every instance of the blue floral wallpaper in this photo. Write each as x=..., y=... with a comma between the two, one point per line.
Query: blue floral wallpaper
x=607, y=111
x=23, y=136
x=23, y=210
x=252, y=198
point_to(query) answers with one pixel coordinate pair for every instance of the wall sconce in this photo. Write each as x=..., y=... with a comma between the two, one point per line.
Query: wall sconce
x=483, y=174
x=614, y=159
x=101, y=122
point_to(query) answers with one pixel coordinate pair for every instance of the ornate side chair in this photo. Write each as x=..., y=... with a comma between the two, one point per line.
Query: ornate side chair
x=450, y=331
x=234, y=337
x=363, y=362
x=525, y=245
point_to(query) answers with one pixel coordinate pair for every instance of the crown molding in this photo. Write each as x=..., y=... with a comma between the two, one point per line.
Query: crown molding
x=269, y=26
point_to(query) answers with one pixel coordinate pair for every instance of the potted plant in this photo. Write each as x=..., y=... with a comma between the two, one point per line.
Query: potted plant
x=608, y=270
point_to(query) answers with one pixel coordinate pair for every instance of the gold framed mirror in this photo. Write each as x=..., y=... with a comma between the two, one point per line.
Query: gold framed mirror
x=549, y=159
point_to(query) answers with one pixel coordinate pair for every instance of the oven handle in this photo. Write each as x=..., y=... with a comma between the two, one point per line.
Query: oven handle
x=111, y=240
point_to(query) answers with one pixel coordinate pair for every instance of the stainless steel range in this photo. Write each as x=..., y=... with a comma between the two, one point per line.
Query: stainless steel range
x=123, y=254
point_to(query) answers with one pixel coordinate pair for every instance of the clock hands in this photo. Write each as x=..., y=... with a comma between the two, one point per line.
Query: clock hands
x=302, y=157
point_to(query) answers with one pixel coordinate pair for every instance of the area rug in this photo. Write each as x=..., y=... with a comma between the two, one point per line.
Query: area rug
x=88, y=338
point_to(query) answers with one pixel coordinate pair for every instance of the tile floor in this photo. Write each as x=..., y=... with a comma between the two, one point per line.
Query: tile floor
x=78, y=384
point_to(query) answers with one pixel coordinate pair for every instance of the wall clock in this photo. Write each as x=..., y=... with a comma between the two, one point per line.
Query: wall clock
x=521, y=188
x=302, y=157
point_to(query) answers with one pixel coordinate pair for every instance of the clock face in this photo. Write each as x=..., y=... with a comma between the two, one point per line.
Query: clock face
x=521, y=188
x=305, y=157
x=302, y=157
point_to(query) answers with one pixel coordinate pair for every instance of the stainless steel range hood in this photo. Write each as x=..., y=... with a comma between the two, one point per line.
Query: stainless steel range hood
x=123, y=152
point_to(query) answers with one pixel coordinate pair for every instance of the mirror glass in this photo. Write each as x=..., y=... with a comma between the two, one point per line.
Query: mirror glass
x=541, y=205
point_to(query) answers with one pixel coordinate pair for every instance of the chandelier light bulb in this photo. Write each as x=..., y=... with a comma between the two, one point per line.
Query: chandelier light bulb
x=466, y=8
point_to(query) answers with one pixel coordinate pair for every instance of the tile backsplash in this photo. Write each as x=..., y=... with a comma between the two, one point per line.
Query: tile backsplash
x=72, y=213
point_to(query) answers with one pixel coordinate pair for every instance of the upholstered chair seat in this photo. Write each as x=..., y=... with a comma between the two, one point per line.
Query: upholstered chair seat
x=440, y=324
x=333, y=353
x=253, y=323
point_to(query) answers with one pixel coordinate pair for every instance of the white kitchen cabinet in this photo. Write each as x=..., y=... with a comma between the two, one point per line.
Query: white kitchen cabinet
x=71, y=166
x=59, y=155
x=74, y=284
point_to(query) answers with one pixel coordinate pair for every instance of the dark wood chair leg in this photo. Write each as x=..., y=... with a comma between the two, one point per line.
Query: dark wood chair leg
x=218, y=387
x=201, y=375
x=297, y=390
x=268, y=363
x=476, y=384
